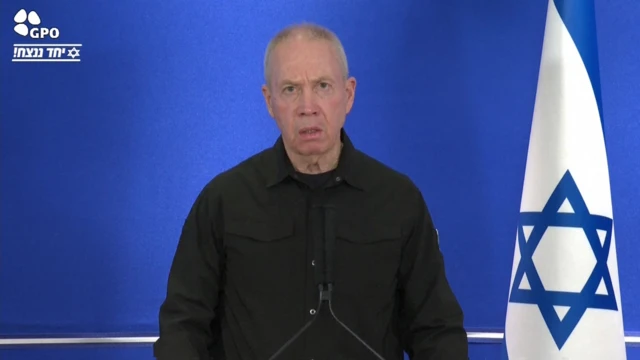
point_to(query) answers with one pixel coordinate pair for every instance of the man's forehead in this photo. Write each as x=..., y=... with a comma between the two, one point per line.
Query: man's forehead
x=304, y=63
x=305, y=72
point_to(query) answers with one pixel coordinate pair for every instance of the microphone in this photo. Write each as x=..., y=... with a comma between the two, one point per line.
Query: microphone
x=330, y=247
x=329, y=242
x=319, y=270
x=325, y=247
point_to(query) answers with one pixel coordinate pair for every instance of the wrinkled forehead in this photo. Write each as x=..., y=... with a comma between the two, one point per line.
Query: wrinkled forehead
x=301, y=60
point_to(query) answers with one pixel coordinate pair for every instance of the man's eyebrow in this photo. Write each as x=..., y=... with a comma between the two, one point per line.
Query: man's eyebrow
x=289, y=82
x=323, y=78
x=298, y=82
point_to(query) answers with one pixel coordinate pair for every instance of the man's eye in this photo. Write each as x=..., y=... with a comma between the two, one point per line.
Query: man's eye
x=324, y=85
x=289, y=89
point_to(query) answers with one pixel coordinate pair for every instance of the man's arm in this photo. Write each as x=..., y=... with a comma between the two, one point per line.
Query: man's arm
x=431, y=317
x=192, y=291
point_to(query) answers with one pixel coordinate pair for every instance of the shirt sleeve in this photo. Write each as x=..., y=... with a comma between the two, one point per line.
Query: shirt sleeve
x=191, y=301
x=431, y=317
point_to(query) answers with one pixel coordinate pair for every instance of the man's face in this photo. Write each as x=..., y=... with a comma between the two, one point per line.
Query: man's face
x=307, y=95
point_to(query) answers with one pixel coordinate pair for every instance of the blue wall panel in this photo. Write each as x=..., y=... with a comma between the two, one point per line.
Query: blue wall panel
x=476, y=352
x=137, y=352
x=100, y=160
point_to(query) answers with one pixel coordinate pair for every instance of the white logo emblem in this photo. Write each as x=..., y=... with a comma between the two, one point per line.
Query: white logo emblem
x=21, y=17
x=33, y=19
x=28, y=25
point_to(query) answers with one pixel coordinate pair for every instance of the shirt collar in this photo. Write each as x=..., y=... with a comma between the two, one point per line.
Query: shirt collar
x=347, y=169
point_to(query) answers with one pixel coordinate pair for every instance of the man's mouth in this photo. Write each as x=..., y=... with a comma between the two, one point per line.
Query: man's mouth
x=310, y=131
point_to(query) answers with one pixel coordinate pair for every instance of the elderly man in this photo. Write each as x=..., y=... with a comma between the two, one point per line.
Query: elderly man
x=309, y=249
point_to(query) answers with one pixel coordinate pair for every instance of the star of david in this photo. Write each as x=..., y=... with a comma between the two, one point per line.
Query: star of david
x=587, y=298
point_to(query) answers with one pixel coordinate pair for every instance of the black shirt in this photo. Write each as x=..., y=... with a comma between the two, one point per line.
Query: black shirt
x=245, y=273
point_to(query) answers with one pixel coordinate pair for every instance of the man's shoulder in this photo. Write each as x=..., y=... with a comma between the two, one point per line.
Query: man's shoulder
x=249, y=172
x=382, y=176
x=401, y=195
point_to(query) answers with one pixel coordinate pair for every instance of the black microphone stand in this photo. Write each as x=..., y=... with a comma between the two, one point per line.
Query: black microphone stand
x=326, y=294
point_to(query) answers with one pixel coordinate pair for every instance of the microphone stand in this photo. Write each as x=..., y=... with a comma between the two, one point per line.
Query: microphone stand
x=327, y=275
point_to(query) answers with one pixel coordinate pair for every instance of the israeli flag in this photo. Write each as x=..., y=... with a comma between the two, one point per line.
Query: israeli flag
x=564, y=298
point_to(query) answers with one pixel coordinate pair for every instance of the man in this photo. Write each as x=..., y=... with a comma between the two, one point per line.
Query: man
x=255, y=250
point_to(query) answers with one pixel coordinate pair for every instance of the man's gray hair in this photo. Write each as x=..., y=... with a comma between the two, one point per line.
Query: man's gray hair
x=309, y=31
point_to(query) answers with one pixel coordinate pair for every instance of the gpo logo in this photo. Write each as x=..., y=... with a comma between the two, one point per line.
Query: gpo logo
x=33, y=19
x=45, y=48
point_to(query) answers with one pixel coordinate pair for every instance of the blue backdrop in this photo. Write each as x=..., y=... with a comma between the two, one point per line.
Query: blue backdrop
x=101, y=159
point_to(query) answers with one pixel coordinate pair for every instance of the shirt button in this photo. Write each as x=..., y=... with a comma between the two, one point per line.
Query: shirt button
x=313, y=263
x=312, y=311
x=338, y=179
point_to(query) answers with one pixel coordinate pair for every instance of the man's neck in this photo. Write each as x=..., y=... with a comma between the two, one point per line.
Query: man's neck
x=316, y=164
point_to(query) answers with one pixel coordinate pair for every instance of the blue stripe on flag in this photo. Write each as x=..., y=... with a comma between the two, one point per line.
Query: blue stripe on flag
x=579, y=18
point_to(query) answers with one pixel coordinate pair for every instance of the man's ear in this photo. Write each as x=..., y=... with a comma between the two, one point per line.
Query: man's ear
x=350, y=88
x=267, y=98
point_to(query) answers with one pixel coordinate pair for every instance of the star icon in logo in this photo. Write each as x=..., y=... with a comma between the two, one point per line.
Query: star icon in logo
x=73, y=53
x=577, y=302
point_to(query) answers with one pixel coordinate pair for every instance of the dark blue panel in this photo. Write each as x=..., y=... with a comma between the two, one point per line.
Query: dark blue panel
x=131, y=352
x=476, y=352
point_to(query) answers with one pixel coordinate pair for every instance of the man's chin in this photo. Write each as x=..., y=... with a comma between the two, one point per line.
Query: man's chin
x=312, y=150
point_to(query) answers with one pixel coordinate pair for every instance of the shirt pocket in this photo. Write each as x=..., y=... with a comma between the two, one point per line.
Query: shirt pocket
x=368, y=256
x=257, y=240
x=259, y=253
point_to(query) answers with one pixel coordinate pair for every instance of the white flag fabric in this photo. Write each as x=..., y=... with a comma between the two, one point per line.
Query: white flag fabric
x=564, y=298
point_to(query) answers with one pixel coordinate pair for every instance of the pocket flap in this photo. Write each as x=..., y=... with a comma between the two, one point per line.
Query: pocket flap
x=261, y=230
x=371, y=233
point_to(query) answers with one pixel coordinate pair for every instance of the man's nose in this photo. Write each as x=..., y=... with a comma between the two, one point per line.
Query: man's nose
x=308, y=104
